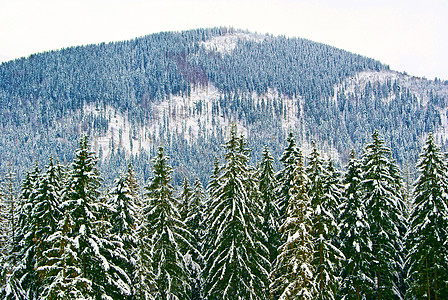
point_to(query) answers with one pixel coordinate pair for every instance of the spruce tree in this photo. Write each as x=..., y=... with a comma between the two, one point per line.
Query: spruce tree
x=90, y=232
x=46, y=213
x=60, y=273
x=11, y=268
x=382, y=198
x=194, y=220
x=118, y=219
x=235, y=256
x=267, y=185
x=285, y=177
x=23, y=279
x=428, y=227
x=324, y=196
x=184, y=199
x=294, y=270
x=354, y=236
x=167, y=233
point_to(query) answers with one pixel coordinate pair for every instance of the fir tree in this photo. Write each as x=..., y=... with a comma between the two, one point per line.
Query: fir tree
x=267, y=184
x=185, y=199
x=284, y=176
x=167, y=233
x=234, y=262
x=123, y=230
x=294, y=271
x=324, y=196
x=354, y=236
x=46, y=213
x=428, y=233
x=90, y=231
x=194, y=216
x=11, y=268
x=61, y=274
x=383, y=210
x=23, y=279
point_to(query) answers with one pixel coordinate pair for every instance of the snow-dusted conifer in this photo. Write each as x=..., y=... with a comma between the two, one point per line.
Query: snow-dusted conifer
x=267, y=185
x=324, y=196
x=90, y=233
x=293, y=270
x=46, y=213
x=354, y=236
x=234, y=261
x=61, y=273
x=184, y=199
x=384, y=215
x=285, y=177
x=23, y=279
x=166, y=232
x=428, y=227
x=120, y=221
x=11, y=271
x=194, y=260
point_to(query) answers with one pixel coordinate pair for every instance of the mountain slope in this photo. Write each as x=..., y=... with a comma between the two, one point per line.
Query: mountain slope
x=183, y=90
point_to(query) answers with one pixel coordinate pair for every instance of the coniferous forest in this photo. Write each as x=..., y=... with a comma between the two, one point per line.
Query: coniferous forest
x=304, y=230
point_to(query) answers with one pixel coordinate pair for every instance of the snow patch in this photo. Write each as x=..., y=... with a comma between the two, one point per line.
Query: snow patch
x=121, y=133
x=196, y=116
x=225, y=44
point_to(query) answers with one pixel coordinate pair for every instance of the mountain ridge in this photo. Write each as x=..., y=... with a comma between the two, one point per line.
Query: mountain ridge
x=182, y=90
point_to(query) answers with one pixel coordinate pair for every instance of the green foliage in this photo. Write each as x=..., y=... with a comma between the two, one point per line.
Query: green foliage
x=65, y=238
x=166, y=232
x=235, y=256
x=427, y=236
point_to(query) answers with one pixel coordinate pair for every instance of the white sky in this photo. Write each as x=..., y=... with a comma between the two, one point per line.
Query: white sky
x=409, y=35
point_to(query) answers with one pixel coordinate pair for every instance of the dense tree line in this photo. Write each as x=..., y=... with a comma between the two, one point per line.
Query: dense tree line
x=306, y=231
x=42, y=99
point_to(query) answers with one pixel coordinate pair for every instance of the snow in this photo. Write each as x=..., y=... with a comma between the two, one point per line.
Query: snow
x=180, y=114
x=225, y=44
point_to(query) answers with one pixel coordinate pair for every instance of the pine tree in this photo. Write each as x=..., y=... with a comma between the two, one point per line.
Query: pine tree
x=294, y=271
x=354, y=236
x=167, y=233
x=185, y=199
x=90, y=232
x=23, y=279
x=61, y=275
x=284, y=176
x=194, y=220
x=428, y=233
x=267, y=185
x=46, y=213
x=234, y=261
x=384, y=215
x=324, y=195
x=10, y=271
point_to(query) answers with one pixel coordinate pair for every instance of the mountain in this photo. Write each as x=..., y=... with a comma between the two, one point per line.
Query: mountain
x=182, y=90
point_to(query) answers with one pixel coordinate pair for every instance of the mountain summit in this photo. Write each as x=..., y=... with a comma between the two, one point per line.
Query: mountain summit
x=184, y=89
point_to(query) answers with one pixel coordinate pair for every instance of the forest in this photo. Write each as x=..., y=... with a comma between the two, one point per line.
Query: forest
x=49, y=99
x=304, y=230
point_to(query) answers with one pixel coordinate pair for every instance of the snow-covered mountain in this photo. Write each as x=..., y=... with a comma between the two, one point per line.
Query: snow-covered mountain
x=183, y=90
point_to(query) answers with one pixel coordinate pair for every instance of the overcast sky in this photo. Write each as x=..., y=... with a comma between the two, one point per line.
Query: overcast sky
x=409, y=35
